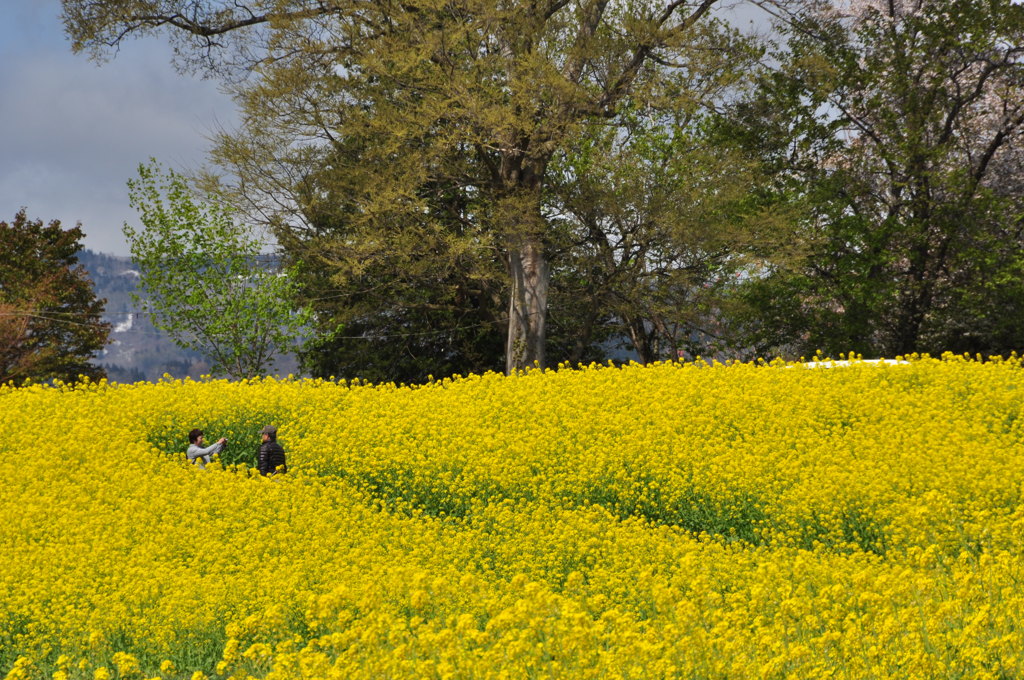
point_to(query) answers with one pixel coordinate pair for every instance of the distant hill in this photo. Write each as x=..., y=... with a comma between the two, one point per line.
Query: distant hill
x=137, y=349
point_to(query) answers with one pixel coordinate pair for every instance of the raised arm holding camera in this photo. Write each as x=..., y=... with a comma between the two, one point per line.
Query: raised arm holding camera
x=199, y=455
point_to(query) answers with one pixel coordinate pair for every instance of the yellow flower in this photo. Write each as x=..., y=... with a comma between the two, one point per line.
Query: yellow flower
x=671, y=520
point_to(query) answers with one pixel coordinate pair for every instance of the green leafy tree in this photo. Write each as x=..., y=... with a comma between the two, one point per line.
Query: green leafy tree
x=201, y=281
x=415, y=309
x=900, y=126
x=420, y=296
x=662, y=225
x=477, y=96
x=50, y=318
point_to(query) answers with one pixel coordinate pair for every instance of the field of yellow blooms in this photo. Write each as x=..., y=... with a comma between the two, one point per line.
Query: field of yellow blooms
x=671, y=521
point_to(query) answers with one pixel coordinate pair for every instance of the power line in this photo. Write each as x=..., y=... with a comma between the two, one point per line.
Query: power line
x=50, y=318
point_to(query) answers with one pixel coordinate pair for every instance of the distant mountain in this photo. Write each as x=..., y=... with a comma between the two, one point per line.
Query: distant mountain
x=137, y=349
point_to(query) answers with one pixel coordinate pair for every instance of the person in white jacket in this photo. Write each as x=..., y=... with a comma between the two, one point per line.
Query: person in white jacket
x=197, y=454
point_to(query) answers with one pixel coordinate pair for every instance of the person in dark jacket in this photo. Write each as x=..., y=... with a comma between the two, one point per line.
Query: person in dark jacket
x=271, y=456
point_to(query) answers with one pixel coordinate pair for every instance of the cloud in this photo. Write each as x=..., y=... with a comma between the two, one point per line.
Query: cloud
x=73, y=132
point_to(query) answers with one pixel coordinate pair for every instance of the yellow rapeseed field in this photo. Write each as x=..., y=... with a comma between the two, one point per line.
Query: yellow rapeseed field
x=670, y=521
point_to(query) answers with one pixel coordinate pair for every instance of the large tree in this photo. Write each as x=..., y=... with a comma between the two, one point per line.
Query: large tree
x=631, y=210
x=50, y=325
x=476, y=95
x=900, y=123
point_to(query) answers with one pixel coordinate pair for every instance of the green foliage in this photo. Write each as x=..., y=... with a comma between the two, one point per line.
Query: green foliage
x=50, y=325
x=403, y=300
x=199, y=272
x=899, y=127
x=662, y=218
x=411, y=107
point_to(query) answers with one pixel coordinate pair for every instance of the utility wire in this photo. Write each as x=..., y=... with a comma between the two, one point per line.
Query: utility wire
x=50, y=318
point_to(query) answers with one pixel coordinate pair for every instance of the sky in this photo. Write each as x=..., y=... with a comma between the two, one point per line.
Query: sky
x=73, y=132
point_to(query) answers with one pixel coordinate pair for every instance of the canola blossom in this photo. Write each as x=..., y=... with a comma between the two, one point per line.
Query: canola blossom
x=668, y=521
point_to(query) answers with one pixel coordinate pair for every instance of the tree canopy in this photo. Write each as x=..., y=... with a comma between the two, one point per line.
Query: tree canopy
x=382, y=113
x=202, y=282
x=50, y=318
x=901, y=125
x=440, y=173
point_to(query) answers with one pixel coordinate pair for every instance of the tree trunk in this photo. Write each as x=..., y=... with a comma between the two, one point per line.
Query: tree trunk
x=527, y=314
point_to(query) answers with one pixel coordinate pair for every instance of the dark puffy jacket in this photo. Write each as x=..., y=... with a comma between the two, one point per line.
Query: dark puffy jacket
x=270, y=457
